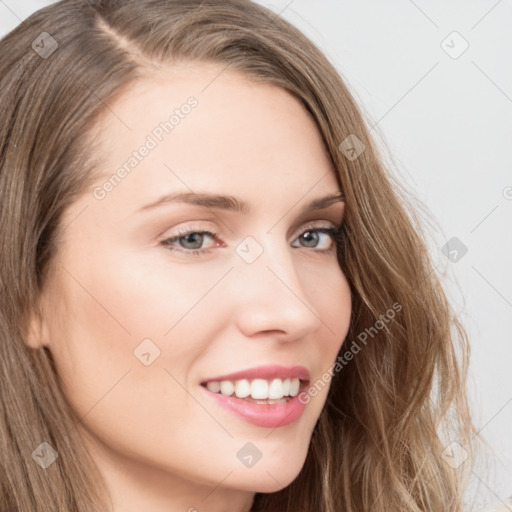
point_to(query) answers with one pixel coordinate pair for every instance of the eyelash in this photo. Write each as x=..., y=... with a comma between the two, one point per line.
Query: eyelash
x=333, y=232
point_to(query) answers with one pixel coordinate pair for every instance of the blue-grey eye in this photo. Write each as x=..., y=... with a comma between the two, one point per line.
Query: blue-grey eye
x=310, y=238
x=191, y=241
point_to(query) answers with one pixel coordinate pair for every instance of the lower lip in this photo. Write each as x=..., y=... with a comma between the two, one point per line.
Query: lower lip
x=269, y=416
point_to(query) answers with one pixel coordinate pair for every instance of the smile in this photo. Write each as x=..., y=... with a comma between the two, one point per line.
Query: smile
x=257, y=389
x=265, y=396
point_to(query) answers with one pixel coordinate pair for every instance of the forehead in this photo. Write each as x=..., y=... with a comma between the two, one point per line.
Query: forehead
x=200, y=125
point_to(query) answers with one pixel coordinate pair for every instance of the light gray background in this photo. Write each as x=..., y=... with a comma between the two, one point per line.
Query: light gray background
x=447, y=124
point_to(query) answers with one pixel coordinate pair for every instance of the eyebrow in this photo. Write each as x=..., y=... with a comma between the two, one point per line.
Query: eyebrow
x=230, y=203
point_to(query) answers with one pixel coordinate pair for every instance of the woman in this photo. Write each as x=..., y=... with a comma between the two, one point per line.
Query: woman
x=214, y=297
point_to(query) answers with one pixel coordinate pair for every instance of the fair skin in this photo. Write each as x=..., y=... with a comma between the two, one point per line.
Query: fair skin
x=160, y=441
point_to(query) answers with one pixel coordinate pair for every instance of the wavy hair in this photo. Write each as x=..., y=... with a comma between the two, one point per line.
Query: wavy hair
x=390, y=412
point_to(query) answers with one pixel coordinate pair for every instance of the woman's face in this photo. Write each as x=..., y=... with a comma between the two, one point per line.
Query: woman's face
x=163, y=290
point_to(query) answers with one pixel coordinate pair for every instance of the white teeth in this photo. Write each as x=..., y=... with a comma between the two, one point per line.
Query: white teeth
x=275, y=390
x=213, y=386
x=227, y=388
x=294, y=387
x=242, y=388
x=286, y=387
x=258, y=389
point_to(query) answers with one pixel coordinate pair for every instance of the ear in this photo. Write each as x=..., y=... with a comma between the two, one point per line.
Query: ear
x=36, y=333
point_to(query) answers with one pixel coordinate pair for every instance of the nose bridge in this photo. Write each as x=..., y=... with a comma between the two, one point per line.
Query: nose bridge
x=265, y=260
x=270, y=292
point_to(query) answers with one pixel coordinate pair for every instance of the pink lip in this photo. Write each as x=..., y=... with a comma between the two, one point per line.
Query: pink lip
x=266, y=372
x=262, y=415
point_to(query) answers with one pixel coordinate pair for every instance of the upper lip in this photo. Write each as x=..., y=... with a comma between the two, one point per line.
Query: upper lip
x=265, y=372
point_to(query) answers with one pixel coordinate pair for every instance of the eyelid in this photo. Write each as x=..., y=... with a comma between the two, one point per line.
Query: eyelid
x=189, y=228
x=315, y=224
x=183, y=231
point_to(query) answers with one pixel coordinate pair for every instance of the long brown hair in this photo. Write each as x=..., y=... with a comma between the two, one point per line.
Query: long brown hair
x=391, y=409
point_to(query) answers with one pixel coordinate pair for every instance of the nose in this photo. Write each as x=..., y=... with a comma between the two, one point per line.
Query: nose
x=269, y=297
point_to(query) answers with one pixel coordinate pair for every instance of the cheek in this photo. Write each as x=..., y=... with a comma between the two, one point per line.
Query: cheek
x=117, y=366
x=105, y=314
x=139, y=317
x=335, y=306
x=331, y=295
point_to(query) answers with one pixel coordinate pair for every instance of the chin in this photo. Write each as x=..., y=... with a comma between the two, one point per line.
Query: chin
x=271, y=477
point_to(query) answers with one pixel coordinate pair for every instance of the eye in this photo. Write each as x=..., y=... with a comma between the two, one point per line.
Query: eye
x=314, y=237
x=191, y=242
